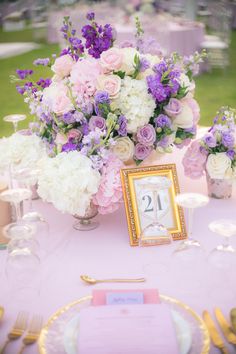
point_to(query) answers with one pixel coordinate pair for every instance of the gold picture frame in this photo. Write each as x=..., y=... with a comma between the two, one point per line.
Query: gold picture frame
x=174, y=216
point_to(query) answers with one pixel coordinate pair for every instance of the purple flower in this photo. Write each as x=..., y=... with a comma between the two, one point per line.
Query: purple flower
x=210, y=140
x=227, y=139
x=164, y=142
x=102, y=97
x=69, y=118
x=192, y=130
x=156, y=88
x=69, y=147
x=97, y=122
x=20, y=89
x=43, y=61
x=85, y=129
x=22, y=74
x=127, y=44
x=173, y=108
x=122, y=122
x=160, y=67
x=144, y=64
x=142, y=151
x=44, y=82
x=90, y=16
x=162, y=121
x=231, y=154
x=149, y=46
x=146, y=135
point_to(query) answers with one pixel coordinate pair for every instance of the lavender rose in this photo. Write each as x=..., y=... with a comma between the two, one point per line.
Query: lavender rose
x=210, y=140
x=146, y=135
x=142, y=151
x=173, y=108
x=97, y=122
x=227, y=139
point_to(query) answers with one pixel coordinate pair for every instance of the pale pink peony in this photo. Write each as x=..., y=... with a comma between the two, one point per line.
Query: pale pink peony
x=109, y=195
x=194, y=161
x=192, y=103
x=111, y=59
x=56, y=97
x=74, y=134
x=84, y=76
x=63, y=65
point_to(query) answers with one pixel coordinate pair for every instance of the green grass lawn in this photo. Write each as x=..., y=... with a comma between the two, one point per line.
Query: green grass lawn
x=213, y=89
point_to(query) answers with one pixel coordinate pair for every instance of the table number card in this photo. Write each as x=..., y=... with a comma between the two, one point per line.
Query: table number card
x=135, y=329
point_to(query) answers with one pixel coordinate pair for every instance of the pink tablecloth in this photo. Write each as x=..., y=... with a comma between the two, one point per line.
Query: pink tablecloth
x=105, y=252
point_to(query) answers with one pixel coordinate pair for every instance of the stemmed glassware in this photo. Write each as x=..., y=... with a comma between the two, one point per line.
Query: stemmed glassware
x=14, y=119
x=190, y=247
x=224, y=255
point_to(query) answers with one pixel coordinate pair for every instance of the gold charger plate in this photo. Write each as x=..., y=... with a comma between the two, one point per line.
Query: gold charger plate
x=51, y=338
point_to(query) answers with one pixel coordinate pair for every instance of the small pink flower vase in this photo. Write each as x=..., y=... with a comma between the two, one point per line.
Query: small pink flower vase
x=219, y=188
x=86, y=222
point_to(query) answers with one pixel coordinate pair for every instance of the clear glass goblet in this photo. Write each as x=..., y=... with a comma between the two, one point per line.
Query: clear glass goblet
x=223, y=255
x=16, y=196
x=190, y=247
x=14, y=119
x=23, y=270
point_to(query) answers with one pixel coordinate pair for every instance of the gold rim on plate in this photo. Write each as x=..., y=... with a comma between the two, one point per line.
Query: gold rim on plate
x=55, y=316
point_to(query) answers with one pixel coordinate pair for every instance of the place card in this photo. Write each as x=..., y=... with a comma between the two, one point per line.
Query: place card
x=120, y=329
x=128, y=298
x=150, y=296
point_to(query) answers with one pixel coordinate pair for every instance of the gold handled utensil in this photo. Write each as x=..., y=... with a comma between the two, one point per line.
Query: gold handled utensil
x=17, y=330
x=214, y=333
x=33, y=332
x=91, y=281
x=233, y=319
x=1, y=312
x=225, y=327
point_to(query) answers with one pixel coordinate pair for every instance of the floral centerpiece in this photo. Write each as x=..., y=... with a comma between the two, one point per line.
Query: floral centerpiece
x=215, y=155
x=106, y=105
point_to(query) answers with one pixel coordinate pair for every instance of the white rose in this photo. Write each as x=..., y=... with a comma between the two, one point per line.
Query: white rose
x=110, y=84
x=128, y=60
x=184, y=119
x=124, y=148
x=219, y=166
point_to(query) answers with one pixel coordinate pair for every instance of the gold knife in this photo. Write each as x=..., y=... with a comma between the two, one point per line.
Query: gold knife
x=225, y=327
x=214, y=333
x=1, y=312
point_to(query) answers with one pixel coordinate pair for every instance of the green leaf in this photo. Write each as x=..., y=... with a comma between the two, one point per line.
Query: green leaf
x=121, y=74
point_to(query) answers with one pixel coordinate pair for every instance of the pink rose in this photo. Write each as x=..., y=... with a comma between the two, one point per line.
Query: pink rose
x=192, y=103
x=74, y=134
x=57, y=99
x=109, y=195
x=111, y=59
x=63, y=65
x=84, y=76
x=142, y=151
x=146, y=135
x=194, y=161
x=110, y=84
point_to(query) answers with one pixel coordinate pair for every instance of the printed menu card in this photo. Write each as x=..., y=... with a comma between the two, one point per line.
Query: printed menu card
x=127, y=329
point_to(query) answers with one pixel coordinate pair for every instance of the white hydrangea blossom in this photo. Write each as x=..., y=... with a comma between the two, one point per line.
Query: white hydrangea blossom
x=68, y=181
x=22, y=151
x=135, y=103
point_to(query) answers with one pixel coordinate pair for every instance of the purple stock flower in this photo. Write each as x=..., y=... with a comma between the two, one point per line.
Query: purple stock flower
x=69, y=118
x=97, y=38
x=42, y=61
x=156, y=88
x=146, y=135
x=122, y=122
x=22, y=74
x=162, y=121
x=69, y=147
x=160, y=67
x=231, y=154
x=90, y=16
x=142, y=151
x=97, y=122
x=144, y=64
x=227, y=139
x=20, y=89
x=149, y=46
x=210, y=140
x=44, y=82
x=85, y=129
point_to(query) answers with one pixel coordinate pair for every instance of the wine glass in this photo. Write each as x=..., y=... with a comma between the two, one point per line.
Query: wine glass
x=150, y=188
x=16, y=196
x=223, y=255
x=14, y=119
x=190, y=248
x=22, y=270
